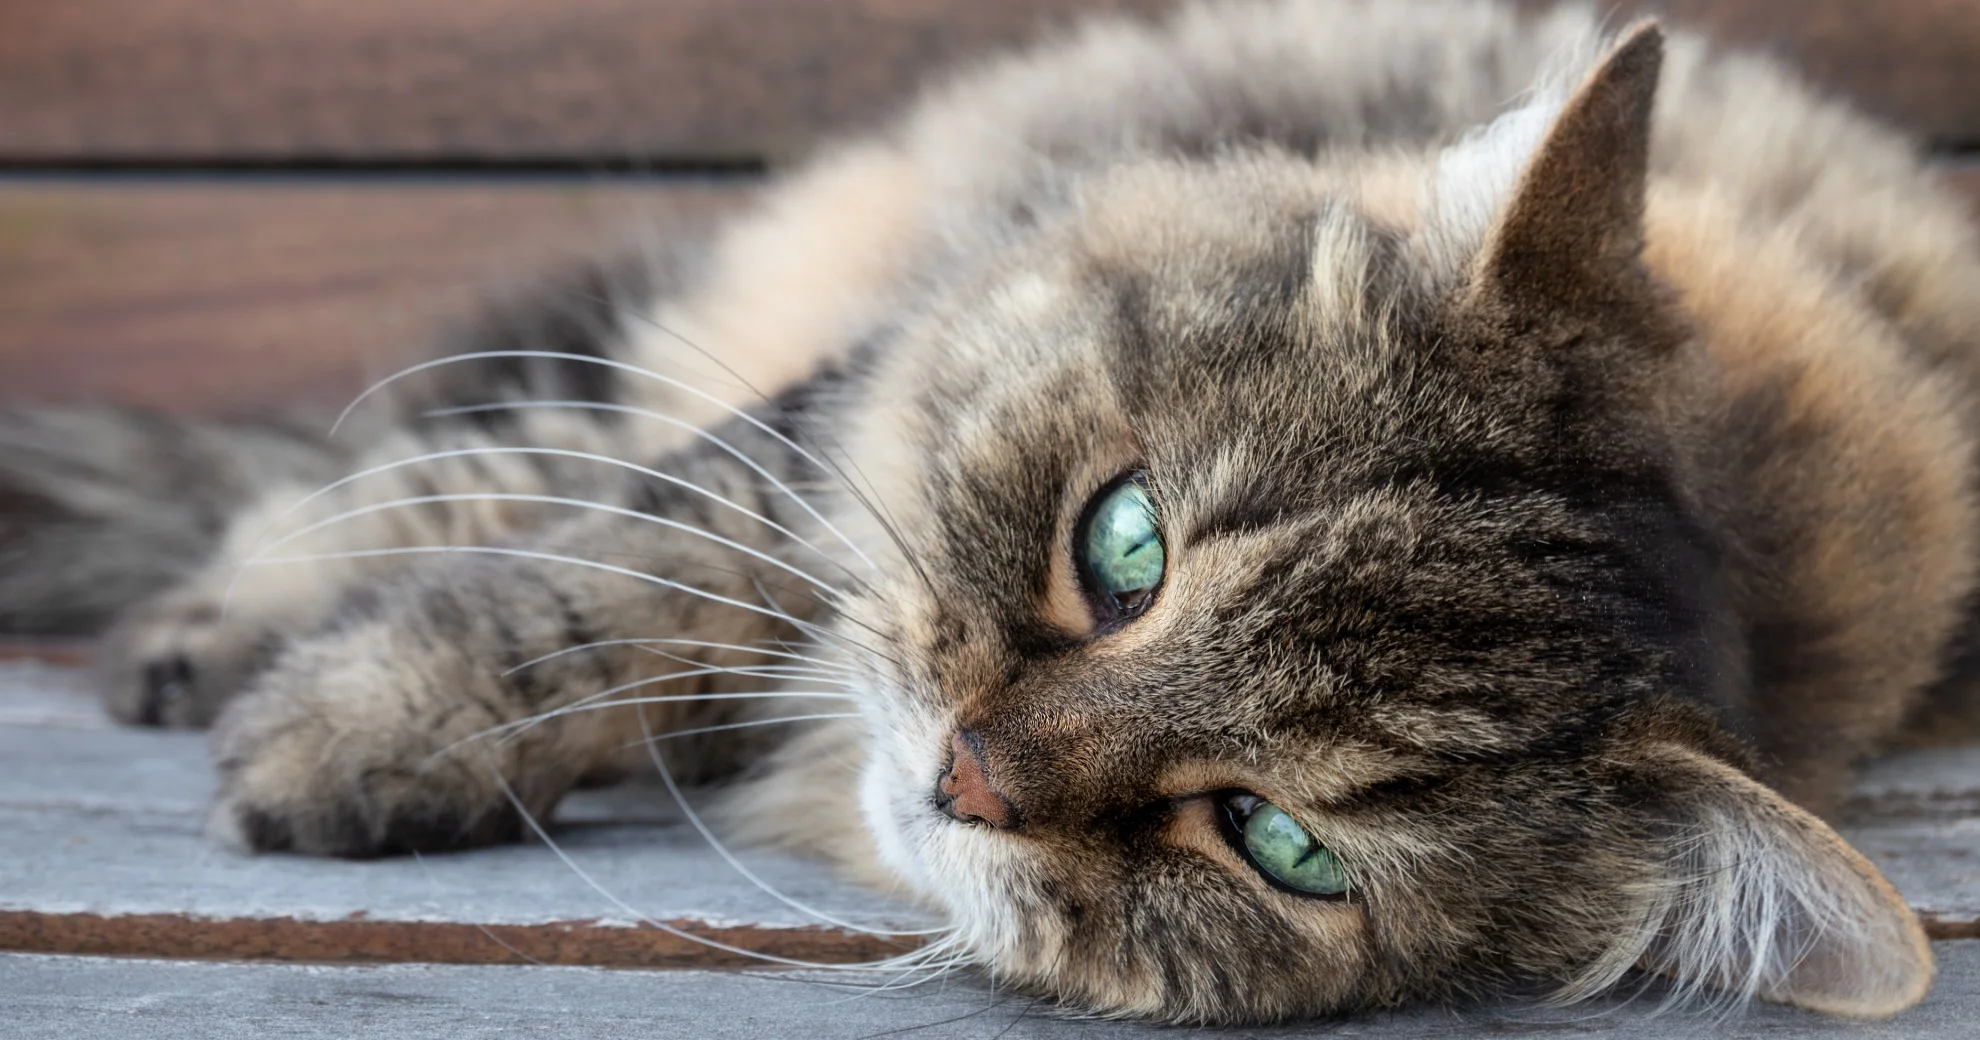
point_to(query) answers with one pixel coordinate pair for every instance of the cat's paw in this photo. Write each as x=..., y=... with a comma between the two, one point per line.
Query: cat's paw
x=353, y=747
x=177, y=660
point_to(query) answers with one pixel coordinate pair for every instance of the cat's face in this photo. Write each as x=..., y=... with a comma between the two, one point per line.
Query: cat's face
x=1271, y=633
x=1387, y=597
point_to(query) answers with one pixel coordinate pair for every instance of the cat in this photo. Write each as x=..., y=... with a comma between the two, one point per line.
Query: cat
x=1301, y=506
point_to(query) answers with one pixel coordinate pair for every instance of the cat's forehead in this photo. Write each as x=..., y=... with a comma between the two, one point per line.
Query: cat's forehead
x=1170, y=297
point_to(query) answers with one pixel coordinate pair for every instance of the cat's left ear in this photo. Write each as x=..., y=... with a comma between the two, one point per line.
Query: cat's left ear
x=1760, y=898
x=1547, y=202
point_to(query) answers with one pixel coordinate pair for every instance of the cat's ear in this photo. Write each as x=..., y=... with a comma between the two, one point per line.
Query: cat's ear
x=1761, y=898
x=1547, y=202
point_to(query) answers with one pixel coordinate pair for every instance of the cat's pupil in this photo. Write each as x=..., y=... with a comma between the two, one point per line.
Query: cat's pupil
x=1280, y=847
x=1123, y=546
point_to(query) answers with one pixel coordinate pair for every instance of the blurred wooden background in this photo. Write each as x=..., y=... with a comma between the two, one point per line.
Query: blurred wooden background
x=222, y=205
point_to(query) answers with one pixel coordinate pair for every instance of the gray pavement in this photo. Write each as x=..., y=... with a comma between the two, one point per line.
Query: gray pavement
x=73, y=998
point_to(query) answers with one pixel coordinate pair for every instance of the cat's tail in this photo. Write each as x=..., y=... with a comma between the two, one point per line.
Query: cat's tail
x=100, y=508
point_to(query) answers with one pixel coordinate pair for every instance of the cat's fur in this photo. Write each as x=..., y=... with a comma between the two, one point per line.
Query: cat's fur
x=1556, y=497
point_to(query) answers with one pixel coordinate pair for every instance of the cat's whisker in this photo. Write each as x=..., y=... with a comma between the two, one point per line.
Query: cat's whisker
x=745, y=696
x=791, y=671
x=907, y=971
x=842, y=611
x=622, y=366
x=908, y=975
x=510, y=731
x=944, y=950
x=944, y=967
x=536, y=828
x=795, y=672
x=759, y=671
x=647, y=413
x=869, y=500
x=871, y=504
x=587, y=456
x=694, y=819
x=495, y=550
x=726, y=726
x=866, y=500
x=704, y=643
x=558, y=500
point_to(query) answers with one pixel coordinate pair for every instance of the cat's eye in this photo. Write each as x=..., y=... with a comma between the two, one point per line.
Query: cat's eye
x=1120, y=548
x=1281, y=849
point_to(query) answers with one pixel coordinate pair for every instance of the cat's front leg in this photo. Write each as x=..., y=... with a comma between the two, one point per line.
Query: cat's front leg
x=293, y=555
x=448, y=701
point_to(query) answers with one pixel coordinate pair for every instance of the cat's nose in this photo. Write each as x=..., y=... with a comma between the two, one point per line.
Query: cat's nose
x=965, y=793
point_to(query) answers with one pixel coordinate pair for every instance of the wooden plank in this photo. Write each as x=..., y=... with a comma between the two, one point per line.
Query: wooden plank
x=67, y=998
x=364, y=79
x=1914, y=62
x=231, y=296
x=521, y=80
x=101, y=852
x=1917, y=815
x=234, y=296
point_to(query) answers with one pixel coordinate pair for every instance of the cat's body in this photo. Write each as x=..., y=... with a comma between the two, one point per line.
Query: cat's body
x=1527, y=493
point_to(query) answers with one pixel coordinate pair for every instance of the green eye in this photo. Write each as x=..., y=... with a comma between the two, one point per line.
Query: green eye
x=1282, y=850
x=1121, y=547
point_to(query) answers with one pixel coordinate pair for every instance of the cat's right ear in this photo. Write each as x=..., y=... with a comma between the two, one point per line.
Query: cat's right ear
x=1760, y=898
x=1542, y=211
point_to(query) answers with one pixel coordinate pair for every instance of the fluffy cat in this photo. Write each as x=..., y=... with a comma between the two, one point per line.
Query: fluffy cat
x=1306, y=506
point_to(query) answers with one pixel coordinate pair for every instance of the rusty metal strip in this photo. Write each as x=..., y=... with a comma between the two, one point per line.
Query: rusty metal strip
x=76, y=653
x=361, y=940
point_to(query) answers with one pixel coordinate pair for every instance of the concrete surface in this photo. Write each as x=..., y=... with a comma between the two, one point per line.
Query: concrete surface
x=66, y=998
x=106, y=820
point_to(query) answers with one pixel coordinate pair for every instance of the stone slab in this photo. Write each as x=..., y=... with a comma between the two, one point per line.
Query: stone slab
x=101, y=851
x=67, y=998
x=1917, y=815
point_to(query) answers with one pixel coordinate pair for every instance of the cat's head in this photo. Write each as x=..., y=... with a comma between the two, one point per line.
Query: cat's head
x=1296, y=606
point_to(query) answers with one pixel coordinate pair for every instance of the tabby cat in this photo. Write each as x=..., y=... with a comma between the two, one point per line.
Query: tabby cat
x=1307, y=505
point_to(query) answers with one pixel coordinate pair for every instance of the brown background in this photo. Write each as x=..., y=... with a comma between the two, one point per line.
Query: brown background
x=215, y=205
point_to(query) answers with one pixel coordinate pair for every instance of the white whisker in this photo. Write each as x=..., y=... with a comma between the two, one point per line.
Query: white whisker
x=620, y=366
x=698, y=730
x=647, y=413
x=592, y=704
x=763, y=592
x=694, y=818
x=816, y=662
x=509, y=731
x=569, y=453
x=536, y=828
x=759, y=671
x=531, y=554
x=577, y=503
x=868, y=498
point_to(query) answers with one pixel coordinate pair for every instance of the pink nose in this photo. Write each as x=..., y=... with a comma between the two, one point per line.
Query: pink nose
x=965, y=793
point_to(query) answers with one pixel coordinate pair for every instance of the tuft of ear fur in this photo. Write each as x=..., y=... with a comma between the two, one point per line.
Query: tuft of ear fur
x=1548, y=200
x=1760, y=898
